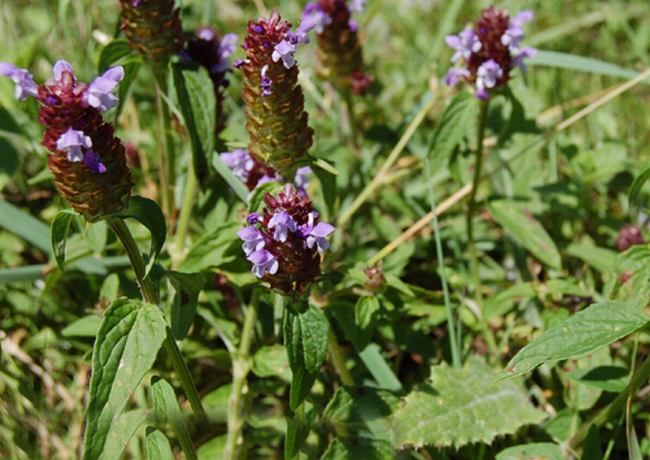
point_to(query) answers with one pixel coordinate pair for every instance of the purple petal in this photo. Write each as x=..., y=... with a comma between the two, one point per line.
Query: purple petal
x=322, y=229
x=25, y=85
x=92, y=162
x=60, y=67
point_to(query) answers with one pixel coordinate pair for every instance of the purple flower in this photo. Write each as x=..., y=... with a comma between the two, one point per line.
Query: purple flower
x=60, y=67
x=252, y=238
x=73, y=141
x=455, y=75
x=297, y=38
x=302, y=177
x=284, y=50
x=465, y=43
x=239, y=62
x=205, y=33
x=266, y=82
x=313, y=18
x=239, y=161
x=487, y=76
x=226, y=49
x=514, y=34
x=91, y=160
x=283, y=223
x=99, y=93
x=263, y=262
x=316, y=234
x=353, y=25
x=357, y=5
x=25, y=85
x=525, y=53
x=266, y=178
x=253, y=218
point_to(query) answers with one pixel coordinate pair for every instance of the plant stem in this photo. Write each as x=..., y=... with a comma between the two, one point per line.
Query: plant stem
x=240, y=369
x=639, y=378
x=454, y=344
x=150, y=295
x=186, y=209
x=338, y=360
x=471, y=210
x=352, y=120
x=166, y=153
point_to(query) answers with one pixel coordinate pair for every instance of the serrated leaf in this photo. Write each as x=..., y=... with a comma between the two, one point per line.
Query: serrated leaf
x=315, y=333
x=149, y=214
x=125, y=349
x=526, y=231
x=59, y=234
x=158, y=447
x=186, y=287
x=462, y=406
x=302, y=380
x=166, y=410
x=197, y=102
x=537, y=451
x=455, y=123
x=589, y=329
x=122, y=430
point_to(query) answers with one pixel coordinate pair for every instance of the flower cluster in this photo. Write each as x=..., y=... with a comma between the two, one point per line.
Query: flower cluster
x=253, y=173
x=285, y=242
x=83, y=146
x=489, y=51
x=339, y=48
x=152, y=27
x=275, y=116
x=209, y=50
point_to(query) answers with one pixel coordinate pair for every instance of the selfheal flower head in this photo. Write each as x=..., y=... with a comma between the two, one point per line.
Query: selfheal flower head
x=25, y=86
x=82, y=146
x=284, y=242
x=487, y=52
x=275, y=117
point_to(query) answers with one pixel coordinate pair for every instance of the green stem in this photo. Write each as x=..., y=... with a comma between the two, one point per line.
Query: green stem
x=639, y=378
x=352, y=120
x=150, y=295
x=186, y=209
x=338, y=360
x=471, y=210
x=454, y=344
x=240, y=369
x=166, y=153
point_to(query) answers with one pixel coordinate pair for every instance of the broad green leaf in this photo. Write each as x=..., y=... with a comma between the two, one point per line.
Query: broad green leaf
x=271, y=361
x=379, y=368
x=365, y=316
x=609, y=378
x=456, y=122
x=302, y=380
x=538, y=451
x=158, y=447
x=187, y=287
x=602, y=259
x=126, y=347
x=584, y=332
x=358, y=448
x=149, y=214
x=110, y=288
x=24, y=226
x=96, y=234
x=211, y=250
x=213, y=449
x=86, y=326
x=462, y=406
x=637, y=186
x=112, y=53
x=121, y=432
x=315, y=333
x=59, y=234
x=166, y=410
x=196, y=99
x=526, y=231
x=580, y=63
x=233, y=181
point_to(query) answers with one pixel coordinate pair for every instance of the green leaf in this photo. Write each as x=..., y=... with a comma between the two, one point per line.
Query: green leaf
x=540, y=450
x=602, y=259
x=187, y=287
x=149, y=214
x=110, y=288
x=328, y=186
x=197, y=102
x=96, y=234
x=526, y=231
x=121, y=432
x=233, y=181
x=609, y=378
x=379, y=368
x=112, y=53
x=315, y=334
x=298, y=428
x=125, y=349
x=166, y=410
x=86, y=326
x=353, y=448
x=637, y=185
x=302, y=379
x=24, y=226
x=158, y=447
x=211, y=250
x=365, y=317
x=462, y=406
x=213, y=449
x=586, y=331
x=271, y=361
x=59, y=234
x=456, y=122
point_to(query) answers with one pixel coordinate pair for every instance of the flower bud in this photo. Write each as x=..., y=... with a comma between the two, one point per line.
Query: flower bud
x=489, y=51
x=339, y=49
x=275, y=116
x=629, y=235
x=152, y=27
x=87, y=160
x=284, y=243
